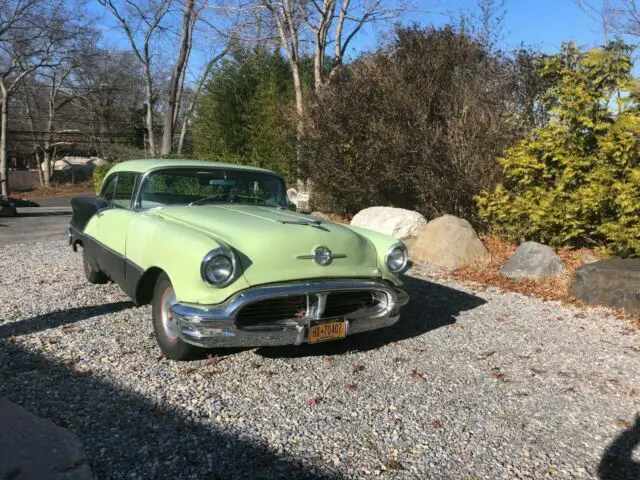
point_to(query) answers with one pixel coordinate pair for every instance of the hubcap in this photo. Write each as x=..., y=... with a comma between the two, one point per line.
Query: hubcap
x=168, y=324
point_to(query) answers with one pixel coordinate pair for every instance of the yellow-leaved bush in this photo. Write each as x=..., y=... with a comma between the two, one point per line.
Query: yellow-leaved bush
x=576, y=180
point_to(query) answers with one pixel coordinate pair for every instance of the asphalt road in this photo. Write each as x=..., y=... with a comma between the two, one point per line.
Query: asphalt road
x=35, y=224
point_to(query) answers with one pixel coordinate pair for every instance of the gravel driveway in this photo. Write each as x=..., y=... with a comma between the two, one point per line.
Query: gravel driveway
x=470, y=384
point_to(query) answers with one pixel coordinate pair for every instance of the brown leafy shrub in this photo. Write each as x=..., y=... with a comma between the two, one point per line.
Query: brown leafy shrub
x=417, y=125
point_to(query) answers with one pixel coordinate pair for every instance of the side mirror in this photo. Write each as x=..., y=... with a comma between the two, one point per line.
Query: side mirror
x=292, y=206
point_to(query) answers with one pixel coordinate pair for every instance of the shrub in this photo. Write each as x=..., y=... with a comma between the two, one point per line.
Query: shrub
x=576, y=181
x=417, y=125
x=245, y=113
x=99, y=172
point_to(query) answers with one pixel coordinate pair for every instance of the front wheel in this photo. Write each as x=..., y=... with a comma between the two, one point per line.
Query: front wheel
x=166, y=330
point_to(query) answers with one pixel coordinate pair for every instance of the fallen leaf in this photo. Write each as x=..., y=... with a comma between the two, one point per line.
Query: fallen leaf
x=436, y=424
x=393, y=464
x=417, y=375
x=623, y=423
x=485, y=355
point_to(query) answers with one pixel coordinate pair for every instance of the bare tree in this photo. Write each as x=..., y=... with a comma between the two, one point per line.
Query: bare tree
x=141, y=23
x=338, y=22
x=174, y=91
x=32, y=32
x=288, y=16
x=202, y=78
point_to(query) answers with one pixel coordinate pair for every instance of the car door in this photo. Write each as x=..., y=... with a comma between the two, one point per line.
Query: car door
x=112, y=224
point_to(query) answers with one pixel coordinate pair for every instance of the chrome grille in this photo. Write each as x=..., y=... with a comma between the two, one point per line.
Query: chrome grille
x=343, y=303
x=287, y=310
x=272, y=310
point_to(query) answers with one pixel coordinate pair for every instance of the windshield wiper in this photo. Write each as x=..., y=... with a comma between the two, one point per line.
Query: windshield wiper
x=208, y=199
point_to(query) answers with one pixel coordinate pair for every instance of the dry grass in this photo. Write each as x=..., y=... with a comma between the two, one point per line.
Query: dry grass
x=54, y=191
x=554, y=288
x=488, y=272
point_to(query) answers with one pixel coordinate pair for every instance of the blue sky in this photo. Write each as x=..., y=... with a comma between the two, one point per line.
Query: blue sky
x=541, y=23
x=544, y=24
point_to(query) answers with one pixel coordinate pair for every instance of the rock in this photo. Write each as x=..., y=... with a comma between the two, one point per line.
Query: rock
x=320, y=216
x=534, y=261
x=32, y=447
x=586, y=257
x=614, y=283
x=447, y=241
x=397, y=222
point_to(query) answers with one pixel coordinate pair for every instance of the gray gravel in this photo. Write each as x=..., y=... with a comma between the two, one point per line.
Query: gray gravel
x=470, y=384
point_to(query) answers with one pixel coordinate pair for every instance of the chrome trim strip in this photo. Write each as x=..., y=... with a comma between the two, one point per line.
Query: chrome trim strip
x=214, y=325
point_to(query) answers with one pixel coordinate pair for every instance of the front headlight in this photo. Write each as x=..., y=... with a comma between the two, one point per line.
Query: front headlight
x=218, y=267
x=397, y=258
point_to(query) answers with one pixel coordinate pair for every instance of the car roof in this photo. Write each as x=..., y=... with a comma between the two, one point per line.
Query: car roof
x=145, y=165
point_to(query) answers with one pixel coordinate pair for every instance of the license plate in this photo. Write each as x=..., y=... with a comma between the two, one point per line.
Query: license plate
x=327, y=329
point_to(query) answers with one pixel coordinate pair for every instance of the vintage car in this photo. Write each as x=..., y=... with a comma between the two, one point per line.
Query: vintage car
x=224, y=261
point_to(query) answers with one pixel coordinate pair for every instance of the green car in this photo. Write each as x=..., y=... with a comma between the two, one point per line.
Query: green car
x=224, y=262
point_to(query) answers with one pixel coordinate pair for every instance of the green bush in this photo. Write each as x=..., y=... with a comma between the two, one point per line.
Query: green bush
x=99, y=172
x=576, y=181
x=245, y=114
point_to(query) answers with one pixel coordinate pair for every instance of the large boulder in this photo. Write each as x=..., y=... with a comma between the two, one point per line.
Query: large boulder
x=34, y=447
x=447, y=241
x=614, y=283
x=397, y=222
x=533, y=261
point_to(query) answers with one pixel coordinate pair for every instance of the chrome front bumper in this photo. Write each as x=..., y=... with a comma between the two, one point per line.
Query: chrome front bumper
x=213, y=326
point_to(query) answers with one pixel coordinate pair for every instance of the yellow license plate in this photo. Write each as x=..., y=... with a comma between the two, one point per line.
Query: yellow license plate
x=324, y=330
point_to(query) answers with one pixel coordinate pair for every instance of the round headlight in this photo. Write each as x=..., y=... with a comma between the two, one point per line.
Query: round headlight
x=218, y=267
x=397, y=258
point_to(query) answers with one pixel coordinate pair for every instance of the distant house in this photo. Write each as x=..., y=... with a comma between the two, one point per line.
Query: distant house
x=72, y=169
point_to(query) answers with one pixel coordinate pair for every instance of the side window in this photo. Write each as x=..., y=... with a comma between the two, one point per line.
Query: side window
x=124, y=190
x=109, y=189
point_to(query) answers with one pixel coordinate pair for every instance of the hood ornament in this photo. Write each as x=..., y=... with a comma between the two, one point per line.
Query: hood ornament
x=322, y=256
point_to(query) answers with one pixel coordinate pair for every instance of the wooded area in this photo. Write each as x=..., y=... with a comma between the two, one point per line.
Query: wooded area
x=428, y=119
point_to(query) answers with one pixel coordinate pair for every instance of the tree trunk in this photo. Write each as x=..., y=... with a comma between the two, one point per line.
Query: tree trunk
x=39, y=165
x=174, y=82
x=47, y=167
x=4, y=166
x=297, y=85
x=150, y=136
x=196, y=94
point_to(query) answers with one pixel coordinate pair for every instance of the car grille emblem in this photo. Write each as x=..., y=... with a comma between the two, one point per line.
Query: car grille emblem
x=322, y=256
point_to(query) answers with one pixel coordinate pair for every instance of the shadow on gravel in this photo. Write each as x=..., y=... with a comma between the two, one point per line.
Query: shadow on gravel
x=617, y=461
x=125, y=433
x=59, y=318
x=432, y=306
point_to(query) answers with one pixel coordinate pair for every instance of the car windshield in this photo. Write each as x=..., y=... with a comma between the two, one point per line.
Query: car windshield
x=215, y=185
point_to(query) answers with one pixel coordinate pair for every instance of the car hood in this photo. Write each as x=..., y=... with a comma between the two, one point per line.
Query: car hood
x=268, y=247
